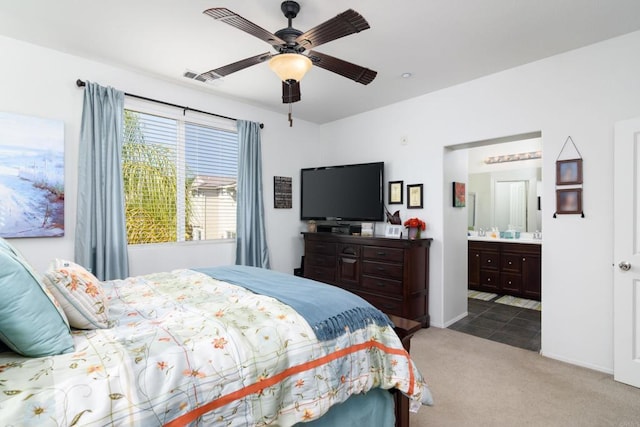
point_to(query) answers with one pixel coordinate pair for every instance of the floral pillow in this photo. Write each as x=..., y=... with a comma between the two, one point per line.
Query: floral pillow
x=79, y=293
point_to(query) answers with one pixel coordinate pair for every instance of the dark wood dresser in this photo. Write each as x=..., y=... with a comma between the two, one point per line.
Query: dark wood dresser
x=392, y=274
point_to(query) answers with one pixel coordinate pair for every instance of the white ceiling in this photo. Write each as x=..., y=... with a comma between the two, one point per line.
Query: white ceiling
x=441, y=42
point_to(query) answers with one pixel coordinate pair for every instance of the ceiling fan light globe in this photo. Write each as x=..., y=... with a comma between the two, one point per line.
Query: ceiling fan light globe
x=290, y=66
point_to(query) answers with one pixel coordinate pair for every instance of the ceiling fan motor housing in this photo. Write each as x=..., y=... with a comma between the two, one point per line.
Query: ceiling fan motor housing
x=290, y=9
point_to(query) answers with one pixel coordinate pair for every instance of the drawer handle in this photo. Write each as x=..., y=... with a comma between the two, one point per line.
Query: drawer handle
x=509, y=262
x=524, y=259
x=381, y=253
x=509, y=281
x=489, y=260
x=388, y=306
x=382, y=285
x=381, y=269
x=488, y=279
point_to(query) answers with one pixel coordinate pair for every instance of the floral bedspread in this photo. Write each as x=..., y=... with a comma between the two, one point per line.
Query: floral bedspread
x=189, y=349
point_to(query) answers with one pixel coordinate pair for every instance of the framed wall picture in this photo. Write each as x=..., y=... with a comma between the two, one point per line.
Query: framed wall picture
x=459, y=196
x=31, y=176
x=395, y=192
x=414, y=196
x=569, y=201
x=569, y=172
x=282, y=192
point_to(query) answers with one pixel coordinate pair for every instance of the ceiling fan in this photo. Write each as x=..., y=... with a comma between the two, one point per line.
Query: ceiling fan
x=293, y=57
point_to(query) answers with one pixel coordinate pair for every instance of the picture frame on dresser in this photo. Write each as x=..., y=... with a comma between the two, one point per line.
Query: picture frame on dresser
x=393, y=230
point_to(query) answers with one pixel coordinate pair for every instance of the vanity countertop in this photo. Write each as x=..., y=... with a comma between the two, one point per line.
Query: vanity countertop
x=527, y=239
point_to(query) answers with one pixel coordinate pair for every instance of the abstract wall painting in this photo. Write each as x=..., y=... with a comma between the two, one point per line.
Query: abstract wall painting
x=31, y=176
x=459, y=195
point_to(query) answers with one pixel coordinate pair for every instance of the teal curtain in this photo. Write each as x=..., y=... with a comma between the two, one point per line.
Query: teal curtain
x=251, y=241
x=101, y=235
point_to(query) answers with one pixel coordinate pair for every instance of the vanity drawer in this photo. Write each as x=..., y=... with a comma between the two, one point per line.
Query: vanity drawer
x=511, y=262
x=511, y=283
x=382, y=269
x=383, y=254
x=489, y=260
x=490, y=280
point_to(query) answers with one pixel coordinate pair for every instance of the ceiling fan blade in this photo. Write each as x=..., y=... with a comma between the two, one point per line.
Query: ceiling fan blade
x=346, y=69
x=235, y=20
x=348, y=22
x=236, y=66
x=290, y=92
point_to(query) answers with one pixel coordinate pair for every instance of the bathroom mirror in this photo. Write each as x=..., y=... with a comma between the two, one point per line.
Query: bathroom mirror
x=506, y=198
x=510, y=205
x=471, y=209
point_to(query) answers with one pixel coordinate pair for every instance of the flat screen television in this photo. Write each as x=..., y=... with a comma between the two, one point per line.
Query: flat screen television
x=346, y=192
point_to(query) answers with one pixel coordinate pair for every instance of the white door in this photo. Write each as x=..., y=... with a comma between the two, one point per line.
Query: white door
x=626, y=291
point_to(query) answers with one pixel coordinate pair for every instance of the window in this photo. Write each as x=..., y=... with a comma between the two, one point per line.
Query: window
x=180, y=174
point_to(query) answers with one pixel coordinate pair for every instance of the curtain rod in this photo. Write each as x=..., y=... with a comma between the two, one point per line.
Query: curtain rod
x=81, y=83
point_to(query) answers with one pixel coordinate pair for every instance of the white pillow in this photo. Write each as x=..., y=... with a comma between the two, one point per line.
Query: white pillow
x=79, y=293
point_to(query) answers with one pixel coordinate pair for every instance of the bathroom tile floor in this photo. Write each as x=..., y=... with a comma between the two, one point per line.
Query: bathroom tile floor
x=515, y=326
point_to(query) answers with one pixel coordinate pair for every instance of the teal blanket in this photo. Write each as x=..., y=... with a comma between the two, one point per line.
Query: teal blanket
x=328, y=309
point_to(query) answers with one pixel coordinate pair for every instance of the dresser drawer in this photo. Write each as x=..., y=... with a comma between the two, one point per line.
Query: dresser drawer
x=382, y=286
x=490, y=260
x=378, y=253
x=349, y=250
x=382, y=269
x=321, y=274
x=385, y=304
x=320, y=260
x=320, y=247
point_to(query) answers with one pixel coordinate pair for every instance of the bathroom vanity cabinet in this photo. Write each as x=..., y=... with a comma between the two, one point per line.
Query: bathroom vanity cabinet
x=505, y=268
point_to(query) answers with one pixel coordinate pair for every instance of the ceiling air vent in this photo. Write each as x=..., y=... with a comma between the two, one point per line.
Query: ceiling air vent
x=194, y=76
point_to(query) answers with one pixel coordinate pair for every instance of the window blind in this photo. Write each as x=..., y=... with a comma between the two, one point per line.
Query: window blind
x=180, y=175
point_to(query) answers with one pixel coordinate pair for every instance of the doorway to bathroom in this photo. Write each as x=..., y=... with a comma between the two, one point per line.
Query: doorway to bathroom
x=504, y=228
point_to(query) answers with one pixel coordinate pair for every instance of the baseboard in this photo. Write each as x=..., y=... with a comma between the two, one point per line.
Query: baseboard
x=577, y=363
x=455, y=319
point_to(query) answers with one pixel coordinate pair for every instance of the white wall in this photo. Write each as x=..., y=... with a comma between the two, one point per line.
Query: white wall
x=41, y=82
x=580, y=94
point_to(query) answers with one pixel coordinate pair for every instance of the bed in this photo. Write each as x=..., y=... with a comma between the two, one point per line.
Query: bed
x=232, y=346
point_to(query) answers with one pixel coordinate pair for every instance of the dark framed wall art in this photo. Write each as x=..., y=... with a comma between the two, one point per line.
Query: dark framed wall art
x=459, y=195
x=569, y=201
x=414, y=196
x=282, y=192
x=395, y=192
x=569, y=172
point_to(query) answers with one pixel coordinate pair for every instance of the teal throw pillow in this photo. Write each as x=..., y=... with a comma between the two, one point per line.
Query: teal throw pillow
x=31, y=322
